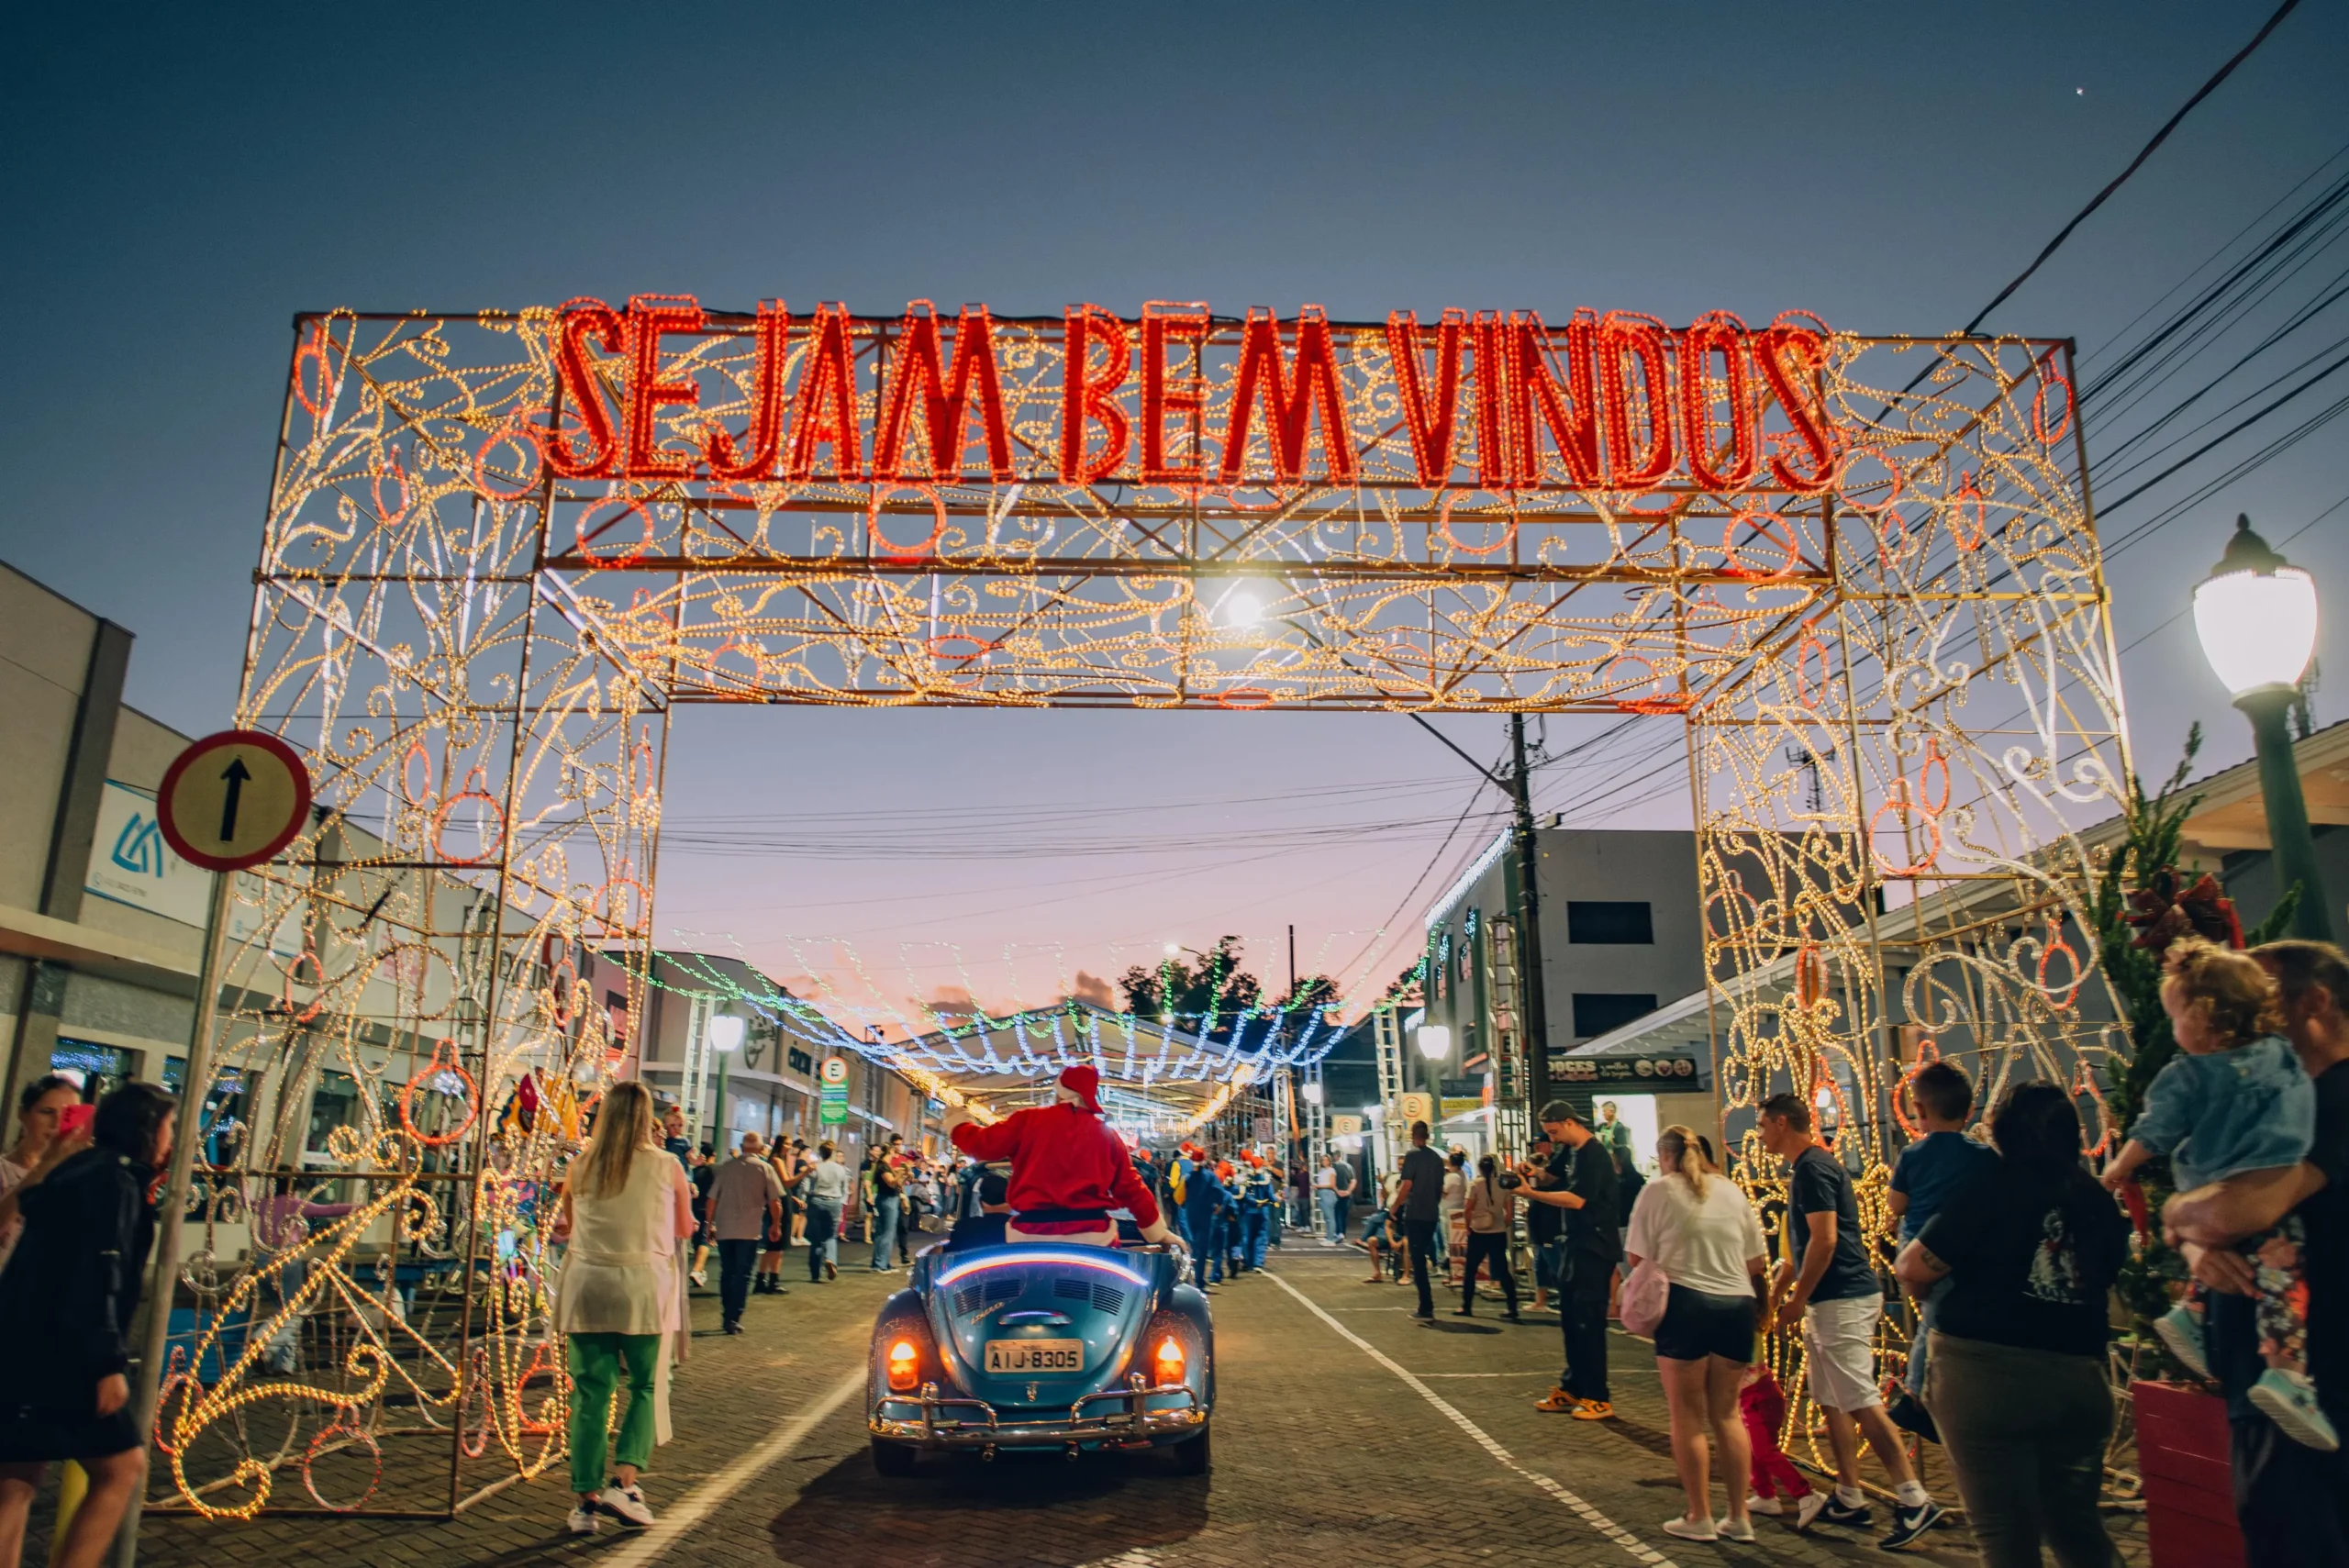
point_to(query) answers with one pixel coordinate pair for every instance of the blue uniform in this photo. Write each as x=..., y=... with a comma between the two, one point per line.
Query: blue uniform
x=1203, y=1199
x=1257, y=1203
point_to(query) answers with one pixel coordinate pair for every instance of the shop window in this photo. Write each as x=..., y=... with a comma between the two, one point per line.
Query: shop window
x=1610, y=922
x=101, y=1068
x=1596, y=1012
x=334, y=1104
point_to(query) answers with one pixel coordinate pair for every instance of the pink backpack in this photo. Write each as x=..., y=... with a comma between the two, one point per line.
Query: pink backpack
x=1644, y=1296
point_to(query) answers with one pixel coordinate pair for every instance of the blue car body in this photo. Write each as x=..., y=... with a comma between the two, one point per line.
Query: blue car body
x=1032, y=1345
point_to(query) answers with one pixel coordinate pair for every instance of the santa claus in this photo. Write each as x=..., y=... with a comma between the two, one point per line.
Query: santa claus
x=1069, y=1171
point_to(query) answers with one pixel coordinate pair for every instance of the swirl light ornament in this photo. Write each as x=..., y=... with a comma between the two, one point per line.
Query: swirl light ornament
x=501, y=547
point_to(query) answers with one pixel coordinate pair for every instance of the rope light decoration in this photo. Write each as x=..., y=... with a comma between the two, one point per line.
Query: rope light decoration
x=501, y=547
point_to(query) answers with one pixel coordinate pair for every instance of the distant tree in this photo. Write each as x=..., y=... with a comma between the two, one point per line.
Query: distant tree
x=1207, y=998
x=1313, y=994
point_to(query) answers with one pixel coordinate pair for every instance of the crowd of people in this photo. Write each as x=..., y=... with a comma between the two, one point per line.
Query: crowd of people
x=2006, y=1250
x=2006, y=1245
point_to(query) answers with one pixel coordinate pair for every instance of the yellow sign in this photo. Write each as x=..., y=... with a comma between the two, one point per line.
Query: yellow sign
x=233, y=800
x=1415, y=1107
x=1346, y=1127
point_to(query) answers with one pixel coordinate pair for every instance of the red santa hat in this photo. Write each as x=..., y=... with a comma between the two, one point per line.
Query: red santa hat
x=1081, y=1084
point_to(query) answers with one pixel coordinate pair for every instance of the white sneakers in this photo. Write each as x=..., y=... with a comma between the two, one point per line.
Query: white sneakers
x=625, y=1504
x=1768, y=1507
x=582, y=1521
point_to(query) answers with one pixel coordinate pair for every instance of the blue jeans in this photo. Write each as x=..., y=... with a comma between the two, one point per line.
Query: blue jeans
x=823, y=1237
x=1257, y=1232
x=1927, y=1312
x=1334, y=1216
x=884, y=1228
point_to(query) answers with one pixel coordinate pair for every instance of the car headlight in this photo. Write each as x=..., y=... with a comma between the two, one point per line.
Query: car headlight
x=905, y=1366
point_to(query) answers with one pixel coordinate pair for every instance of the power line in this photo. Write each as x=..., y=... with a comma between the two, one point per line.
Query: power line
x=2160, y=135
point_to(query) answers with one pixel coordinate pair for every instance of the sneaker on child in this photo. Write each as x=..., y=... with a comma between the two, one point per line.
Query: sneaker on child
x=2289, y=1401
x=2181, y=1335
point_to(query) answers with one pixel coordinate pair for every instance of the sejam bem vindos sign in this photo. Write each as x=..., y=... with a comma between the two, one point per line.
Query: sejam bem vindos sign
x=666, y=391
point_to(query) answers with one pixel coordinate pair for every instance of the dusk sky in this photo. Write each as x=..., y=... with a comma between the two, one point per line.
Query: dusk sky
x=179, y=180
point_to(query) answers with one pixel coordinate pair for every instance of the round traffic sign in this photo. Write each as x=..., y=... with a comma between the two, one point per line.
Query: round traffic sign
x=835, y=1070
x=233, y=800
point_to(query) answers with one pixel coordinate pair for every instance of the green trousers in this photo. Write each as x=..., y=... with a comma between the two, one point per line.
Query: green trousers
x=598, y=1361
x=2025, y=1431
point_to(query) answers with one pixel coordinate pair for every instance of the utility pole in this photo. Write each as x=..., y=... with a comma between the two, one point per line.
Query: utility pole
x=1529, y=925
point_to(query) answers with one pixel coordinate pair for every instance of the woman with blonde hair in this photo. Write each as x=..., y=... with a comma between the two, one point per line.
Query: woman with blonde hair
x=626, y=1206
x=1694, y=1224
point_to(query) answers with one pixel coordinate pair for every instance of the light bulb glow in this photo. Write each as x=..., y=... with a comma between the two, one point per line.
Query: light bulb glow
x=724, y=1032
x=2257, y=629
x=1312, y=1093
x=1435, y=1041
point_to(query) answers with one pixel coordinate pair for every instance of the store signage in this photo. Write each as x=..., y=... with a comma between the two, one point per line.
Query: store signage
x=832, y=1099
x=1178, y=397
x=1346, y=1127
x=131, y=863
x=1663, y=1070
x=1415, y=1107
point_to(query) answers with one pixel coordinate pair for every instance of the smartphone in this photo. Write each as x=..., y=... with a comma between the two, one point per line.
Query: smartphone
x=75, y=1118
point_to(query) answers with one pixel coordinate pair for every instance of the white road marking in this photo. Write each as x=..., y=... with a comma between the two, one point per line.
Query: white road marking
x=644, y=1547
x=1545, y=1372
x=1590, y=1515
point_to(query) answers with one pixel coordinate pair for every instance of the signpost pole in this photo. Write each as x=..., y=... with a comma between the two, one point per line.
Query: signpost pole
x=195, y=1084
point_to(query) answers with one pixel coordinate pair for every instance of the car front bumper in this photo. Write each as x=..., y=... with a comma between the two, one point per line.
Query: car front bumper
x=1114, y=1417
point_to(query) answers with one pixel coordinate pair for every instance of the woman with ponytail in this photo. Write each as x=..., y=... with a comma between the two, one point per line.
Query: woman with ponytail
x=1694, y=1224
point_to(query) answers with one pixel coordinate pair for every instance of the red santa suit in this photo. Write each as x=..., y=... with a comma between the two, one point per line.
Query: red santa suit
x=1068, y=1170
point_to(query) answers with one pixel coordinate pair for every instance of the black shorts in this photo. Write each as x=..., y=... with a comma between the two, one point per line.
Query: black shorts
x=1697, y=1324
x=30, y=1435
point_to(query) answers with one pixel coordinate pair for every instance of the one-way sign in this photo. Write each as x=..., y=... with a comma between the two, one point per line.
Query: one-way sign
x=233, y=800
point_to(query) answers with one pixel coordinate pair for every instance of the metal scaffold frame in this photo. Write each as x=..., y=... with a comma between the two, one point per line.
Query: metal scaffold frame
x=500, y=548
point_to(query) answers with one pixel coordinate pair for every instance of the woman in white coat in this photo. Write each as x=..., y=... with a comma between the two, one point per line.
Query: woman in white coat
x=626, y=1208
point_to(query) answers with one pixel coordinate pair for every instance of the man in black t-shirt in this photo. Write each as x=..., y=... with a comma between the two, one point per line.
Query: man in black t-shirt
x=1417, y=1198
x=1831, y=1294
x=2293, y=1501
x=1580, y=1180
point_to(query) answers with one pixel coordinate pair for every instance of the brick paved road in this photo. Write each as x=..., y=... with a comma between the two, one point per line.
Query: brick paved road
x=1322, y=1452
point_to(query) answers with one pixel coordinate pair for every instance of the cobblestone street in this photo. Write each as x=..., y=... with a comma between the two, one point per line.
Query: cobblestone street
x=1345, y=1431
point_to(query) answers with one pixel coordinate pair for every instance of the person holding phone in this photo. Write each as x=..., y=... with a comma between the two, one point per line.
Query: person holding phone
x=52, y=1125
x=67, y=1304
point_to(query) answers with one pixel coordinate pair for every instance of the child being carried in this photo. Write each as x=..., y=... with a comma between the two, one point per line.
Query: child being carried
x=2234, y=1099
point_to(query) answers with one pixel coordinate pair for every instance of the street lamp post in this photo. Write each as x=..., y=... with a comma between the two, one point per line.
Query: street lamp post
x=725, y=1039
x=2256, y=615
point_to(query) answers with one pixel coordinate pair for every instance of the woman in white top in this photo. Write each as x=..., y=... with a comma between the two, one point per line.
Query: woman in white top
x=626, y=1206
x=1694, y=1224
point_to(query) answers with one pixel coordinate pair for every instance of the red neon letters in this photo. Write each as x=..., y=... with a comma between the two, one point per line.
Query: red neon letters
x=1618, y=402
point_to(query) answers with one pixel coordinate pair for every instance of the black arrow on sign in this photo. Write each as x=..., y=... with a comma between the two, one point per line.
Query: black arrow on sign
x=236, y=777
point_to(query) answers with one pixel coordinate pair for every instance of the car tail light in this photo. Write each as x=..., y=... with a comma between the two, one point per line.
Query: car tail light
x=905, y=1366
x=1166, y=1363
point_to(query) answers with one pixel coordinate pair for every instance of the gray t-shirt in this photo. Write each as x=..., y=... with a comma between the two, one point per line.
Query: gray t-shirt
x=827, y=1184
x=739, y=1196
x=1345, y=1175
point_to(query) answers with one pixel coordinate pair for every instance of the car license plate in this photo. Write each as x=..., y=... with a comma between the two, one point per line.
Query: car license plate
x=1018, y=1357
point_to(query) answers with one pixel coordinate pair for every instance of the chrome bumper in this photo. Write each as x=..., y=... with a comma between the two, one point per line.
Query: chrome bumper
x=946, y=1422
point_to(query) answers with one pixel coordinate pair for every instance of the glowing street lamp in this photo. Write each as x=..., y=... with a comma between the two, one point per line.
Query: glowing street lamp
x=725, y=1036
x=2257, y=617
x=1312, y=1091
x=1435, y=1041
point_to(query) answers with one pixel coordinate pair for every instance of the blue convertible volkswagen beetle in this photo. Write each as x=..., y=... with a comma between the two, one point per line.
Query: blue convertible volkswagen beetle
x=1049, y=1346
